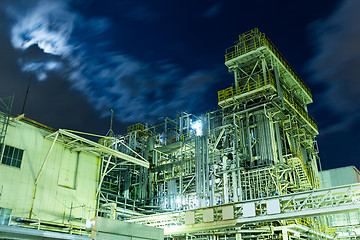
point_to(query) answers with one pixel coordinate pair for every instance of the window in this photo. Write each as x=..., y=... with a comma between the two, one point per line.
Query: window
x=5, y=214
x=12, y=156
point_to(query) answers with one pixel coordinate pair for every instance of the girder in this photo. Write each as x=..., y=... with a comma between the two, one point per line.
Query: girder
x=73, y=140
x=290, y=206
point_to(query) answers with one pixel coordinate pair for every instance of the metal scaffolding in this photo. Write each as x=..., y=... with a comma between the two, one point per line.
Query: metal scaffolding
x=5, y=110
x=260, y=144
x=302, y=206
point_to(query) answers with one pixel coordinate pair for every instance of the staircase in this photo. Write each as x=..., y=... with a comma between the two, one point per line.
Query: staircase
x=301, y=172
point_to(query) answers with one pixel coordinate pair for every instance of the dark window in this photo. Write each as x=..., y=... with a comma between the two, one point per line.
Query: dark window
x=12, y=156
x=5, y=214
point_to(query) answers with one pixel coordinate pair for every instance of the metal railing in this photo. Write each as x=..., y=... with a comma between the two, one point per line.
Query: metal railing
x=259, y=82
x=306, y=204
x=136, y=127
x=298, y=164
x=310, y=222
x=299, y=109
x=254, y=39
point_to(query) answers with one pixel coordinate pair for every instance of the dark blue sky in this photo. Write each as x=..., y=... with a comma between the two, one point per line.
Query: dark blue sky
x=149, y=59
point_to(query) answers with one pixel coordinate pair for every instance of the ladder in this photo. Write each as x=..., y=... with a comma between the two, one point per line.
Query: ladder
x=300, y=170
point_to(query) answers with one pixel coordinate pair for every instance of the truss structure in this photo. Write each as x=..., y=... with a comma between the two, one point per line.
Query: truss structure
x=5, y=110
x=113, y=162
x=246, y=170
x=302, y=206
x=257, y=149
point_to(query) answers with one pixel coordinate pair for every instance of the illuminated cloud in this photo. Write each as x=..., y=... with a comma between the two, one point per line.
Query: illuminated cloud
x=213, y=10
x=41, y=68
x=336, y=65
x=74, y=47
x=48, y=25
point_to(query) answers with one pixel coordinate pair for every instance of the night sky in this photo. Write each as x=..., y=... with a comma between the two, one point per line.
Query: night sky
x=149, y=59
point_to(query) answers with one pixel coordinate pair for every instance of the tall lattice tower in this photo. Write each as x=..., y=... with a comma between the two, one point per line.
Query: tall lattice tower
x=268, y=106
x=5, y=110
x=261, y=143
x=231, y=176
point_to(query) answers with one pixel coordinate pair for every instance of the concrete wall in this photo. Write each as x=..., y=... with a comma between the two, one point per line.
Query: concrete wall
x=339, y=176
x=69, y=178
x=108, y=229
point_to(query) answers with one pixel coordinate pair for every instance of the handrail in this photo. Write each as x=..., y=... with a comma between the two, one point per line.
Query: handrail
x=254, y=39
x=299, y=109
x=230, y=92
x=259, y=82
x=136, y=127
x=310, y=222
x=296, y=154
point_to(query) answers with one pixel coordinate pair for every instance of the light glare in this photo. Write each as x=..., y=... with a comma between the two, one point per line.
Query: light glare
x=197, y=126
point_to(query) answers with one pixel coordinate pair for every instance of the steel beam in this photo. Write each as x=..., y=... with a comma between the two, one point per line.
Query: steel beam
x=106, y=150
x=14, y=232
x=290, y=206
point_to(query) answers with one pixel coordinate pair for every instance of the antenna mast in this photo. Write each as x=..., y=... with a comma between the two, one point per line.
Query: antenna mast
x=27, y=92
x=110, y=132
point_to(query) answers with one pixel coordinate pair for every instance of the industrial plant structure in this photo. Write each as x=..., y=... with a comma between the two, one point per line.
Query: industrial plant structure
x=248, y=170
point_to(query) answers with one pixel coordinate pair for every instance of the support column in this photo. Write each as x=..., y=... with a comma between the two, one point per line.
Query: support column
x=284, y=234
x=247, y=126
x=278, y=89
x=273, y=141
x=238, y=236
x=39, y=174
x=225, y=180
x=236, y=80
x=263, y=65
x=237, y=181
x=235, y=187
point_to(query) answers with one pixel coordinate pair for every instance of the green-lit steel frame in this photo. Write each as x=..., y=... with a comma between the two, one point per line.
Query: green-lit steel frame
x=5, y=110
x=260, y=144
x=283, y=207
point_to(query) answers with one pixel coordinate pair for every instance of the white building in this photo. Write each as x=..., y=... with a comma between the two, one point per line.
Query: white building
x=339, y=176
x=45, y=179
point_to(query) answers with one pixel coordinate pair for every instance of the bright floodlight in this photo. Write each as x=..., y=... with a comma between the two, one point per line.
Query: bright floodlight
x=197, y=126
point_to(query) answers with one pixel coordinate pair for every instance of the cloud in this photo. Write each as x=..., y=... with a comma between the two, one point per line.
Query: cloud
x=47, y=24
x=336, y=64
x=75, y=48
x=141, y=13
x=213, y=10
x=41, y=68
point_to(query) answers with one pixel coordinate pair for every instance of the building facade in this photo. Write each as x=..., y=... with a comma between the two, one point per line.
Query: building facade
x=46, y=180
x=248, y=169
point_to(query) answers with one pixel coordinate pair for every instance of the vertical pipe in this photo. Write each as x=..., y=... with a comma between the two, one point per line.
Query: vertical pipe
x=188, y=125
x=181, y=172
x=198, y=169
x=165, y=133
x=237, y=191
x=279, y=142
x=207, y=172
x=203, y=170
x=278, y=89
x=263, y=64
x=284, y=233
x=212, y=198
x=234, y=186
x=181, y=123
x=236, y=81
x=249, y=139
x=225, y=180
x=272, y=151
x=261, y=146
